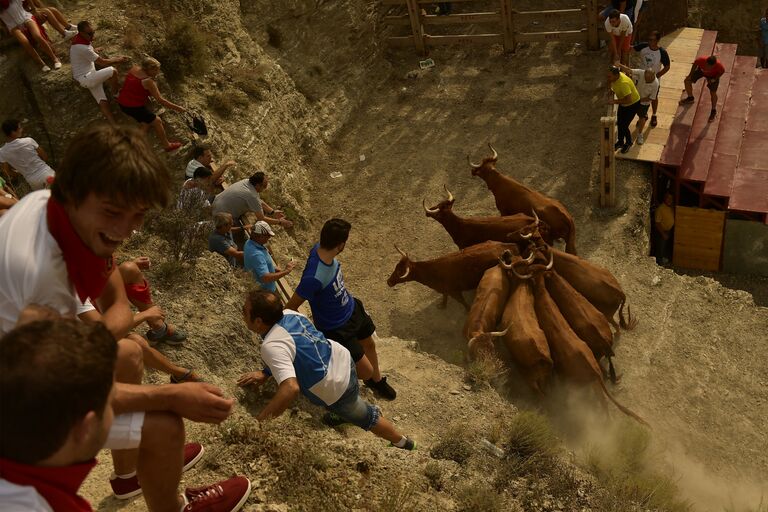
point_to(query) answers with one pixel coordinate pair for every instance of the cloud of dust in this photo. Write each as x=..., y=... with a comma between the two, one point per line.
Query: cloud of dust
x=613, y=437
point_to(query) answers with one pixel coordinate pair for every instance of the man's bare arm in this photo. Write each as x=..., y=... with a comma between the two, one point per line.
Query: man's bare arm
x=196, y=401
x=117, y=314
x=295, y=302
x=287, y=392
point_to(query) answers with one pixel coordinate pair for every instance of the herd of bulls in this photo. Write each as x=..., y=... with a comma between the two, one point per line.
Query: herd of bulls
x=556, y=310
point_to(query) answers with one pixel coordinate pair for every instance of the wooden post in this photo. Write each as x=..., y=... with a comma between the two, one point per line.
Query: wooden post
x=507, y=24
x=593, y=37
x=414, y=14
x=607, y=162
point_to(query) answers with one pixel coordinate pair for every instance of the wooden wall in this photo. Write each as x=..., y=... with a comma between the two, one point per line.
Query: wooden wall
x=698, y=238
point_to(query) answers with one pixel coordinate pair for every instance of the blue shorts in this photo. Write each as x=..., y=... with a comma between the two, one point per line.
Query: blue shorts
x=353, y=408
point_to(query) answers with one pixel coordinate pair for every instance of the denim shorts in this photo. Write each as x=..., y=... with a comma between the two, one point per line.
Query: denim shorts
x=353, y=408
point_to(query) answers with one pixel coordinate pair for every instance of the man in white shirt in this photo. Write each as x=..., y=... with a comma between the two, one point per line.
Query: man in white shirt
x=648, y=87
x=84, y=59
x=24, y=155
x=57, y=252
x=619, y=26
x=302, y=360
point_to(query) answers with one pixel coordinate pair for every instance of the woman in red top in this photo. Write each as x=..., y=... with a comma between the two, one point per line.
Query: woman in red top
x=138, y=87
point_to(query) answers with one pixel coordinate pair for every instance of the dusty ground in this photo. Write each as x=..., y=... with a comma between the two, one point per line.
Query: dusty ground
x=694, y=367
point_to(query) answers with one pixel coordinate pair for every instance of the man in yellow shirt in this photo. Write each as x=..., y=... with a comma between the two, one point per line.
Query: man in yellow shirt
x=664, y=223
x=628, y=100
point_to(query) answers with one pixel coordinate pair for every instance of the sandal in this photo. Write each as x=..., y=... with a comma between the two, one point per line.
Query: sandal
x=187, y=377
x=172, y=336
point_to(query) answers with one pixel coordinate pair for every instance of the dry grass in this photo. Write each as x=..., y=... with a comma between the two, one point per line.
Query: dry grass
x=479, y=497
x=485, y=370
x=400, y=498
x=133, y=39
x=454, y=445
x=224, y=103
x=185, y=52
x=434, y=473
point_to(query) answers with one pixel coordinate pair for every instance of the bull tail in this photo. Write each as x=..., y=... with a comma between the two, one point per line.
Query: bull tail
x=621, y=407
x=570, y=242
x=612, y=370
x=630, y=323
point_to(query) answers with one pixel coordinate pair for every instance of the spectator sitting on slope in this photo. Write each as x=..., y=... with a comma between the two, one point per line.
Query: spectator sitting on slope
x=202, y=156
x=244, y=196
x=198, y=189
x=22, y=27
x=138, y=87
x=258, y=258
x=221, y=241
x=302, y=360
x=25, y=155
x=51, y=15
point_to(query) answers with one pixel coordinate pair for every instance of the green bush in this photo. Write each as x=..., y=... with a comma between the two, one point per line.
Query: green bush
x=530, y=435
x=185, y=51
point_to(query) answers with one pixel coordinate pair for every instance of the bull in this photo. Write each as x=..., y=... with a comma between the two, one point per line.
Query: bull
x=514, y=197
x=466, y=231
x=453, y=273
x=585, y=320
x=571, y=356
x=484, y=315
x=597, y=285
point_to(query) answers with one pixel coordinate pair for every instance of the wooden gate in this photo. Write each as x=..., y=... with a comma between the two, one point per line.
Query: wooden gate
x=504, y=20
x=698, y=238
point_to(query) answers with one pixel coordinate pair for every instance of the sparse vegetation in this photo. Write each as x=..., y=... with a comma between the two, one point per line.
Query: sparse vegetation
x=185, y=52
x=485, y=370
x=225, y=102
x=479, y=497
x=530, y=435
x=255, y=88
x=454, y=445
x=401, y=498
x=434, y=474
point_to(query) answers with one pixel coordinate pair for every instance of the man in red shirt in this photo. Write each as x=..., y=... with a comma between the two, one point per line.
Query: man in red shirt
x=711, y=69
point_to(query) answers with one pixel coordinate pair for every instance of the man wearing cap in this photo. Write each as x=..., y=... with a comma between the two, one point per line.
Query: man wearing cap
x=258, y=260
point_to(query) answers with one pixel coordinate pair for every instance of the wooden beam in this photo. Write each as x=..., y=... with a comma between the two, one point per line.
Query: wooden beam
x=457, y=39
x=573, y=36
x=400, y=41
x=607, y=162
x=403, y=2
x=454, y=19
x=551, y=13
x=508, y=27
x=593, y=39
x=417, y=29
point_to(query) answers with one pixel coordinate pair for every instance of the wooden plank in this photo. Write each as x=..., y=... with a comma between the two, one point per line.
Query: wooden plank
x=456, y=19
x=417, y=29
x=593, y=38
x=508, y=27
x=572, y=36
x=607, y=162
x=648, y=152
x=698, y=238
x=551, y=13
x=400, y=41
x=460, y=39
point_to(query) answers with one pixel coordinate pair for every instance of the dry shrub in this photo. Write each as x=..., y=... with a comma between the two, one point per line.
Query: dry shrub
x=626, y=472
x=132, y=38
x=255, y=88
x=529, y=435
x=182, y=229
x=485, y=370
x=479, y=497
x=400, y=498
x=185, y=52
x=225, y=102
x=454, y=444
x=434, y=474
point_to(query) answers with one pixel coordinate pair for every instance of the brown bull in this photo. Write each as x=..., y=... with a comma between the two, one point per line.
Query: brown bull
x=466, y=231
x=585, y=320
x=572, y=357
x=597, y=285
x=514, y=197
x=484, y=315
x=453, y=273
x=524, y=338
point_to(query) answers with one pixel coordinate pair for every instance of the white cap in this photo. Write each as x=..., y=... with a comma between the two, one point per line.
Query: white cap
x=262, y=228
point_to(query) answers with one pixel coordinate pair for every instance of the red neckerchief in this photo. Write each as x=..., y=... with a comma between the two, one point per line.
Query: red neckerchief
x=78, y=39
x=58, y=485
x=88, y=272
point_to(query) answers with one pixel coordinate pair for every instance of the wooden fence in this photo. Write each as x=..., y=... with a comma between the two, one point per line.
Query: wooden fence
x=504, y=20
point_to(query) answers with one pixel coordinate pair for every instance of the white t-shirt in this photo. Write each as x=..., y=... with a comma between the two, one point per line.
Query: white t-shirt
x=82, y=59
x=625, y=26
x=646, y=89
x=15, y=15
x=21, y=498
x=192, y=166
x=22, y=155
x=32, y=268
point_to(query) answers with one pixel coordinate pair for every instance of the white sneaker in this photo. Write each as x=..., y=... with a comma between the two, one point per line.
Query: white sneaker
x=640, y=138
x=46, y=68
x=57, y=64
x=72, y=27
x=69, y=34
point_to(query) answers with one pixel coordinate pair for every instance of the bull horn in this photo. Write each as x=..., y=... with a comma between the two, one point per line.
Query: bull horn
x=535, y=216
x=551, y=260
x=519, y=276
x=526, y=237
x=407, y=271
x=496, y=334
x=474, y=166
x=428, y=210
x=504, y=264
x=401, y=251
x=495, y=154
x=448, y=193
x=530, y=257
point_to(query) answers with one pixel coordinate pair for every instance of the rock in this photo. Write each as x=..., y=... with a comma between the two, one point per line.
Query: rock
x=467, y=387
x=412, y=74
x=455, y=392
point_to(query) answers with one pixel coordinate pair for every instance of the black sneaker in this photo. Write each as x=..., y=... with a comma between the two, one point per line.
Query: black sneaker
x=381, y=388
x=654, y=121
x=626, y=147
x=333, y=420
x=712, y=115
x=618, y=145
x=410, y=445
x=687, y=100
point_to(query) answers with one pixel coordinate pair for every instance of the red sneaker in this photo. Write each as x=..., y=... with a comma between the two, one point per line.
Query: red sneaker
x=173, y=146
x=225, y=496
x=125, y=488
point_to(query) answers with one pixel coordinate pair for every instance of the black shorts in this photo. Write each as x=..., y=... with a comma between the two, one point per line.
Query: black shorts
x=358, y=327
x=712, y=83
x=642, y=111
x=141, y=114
